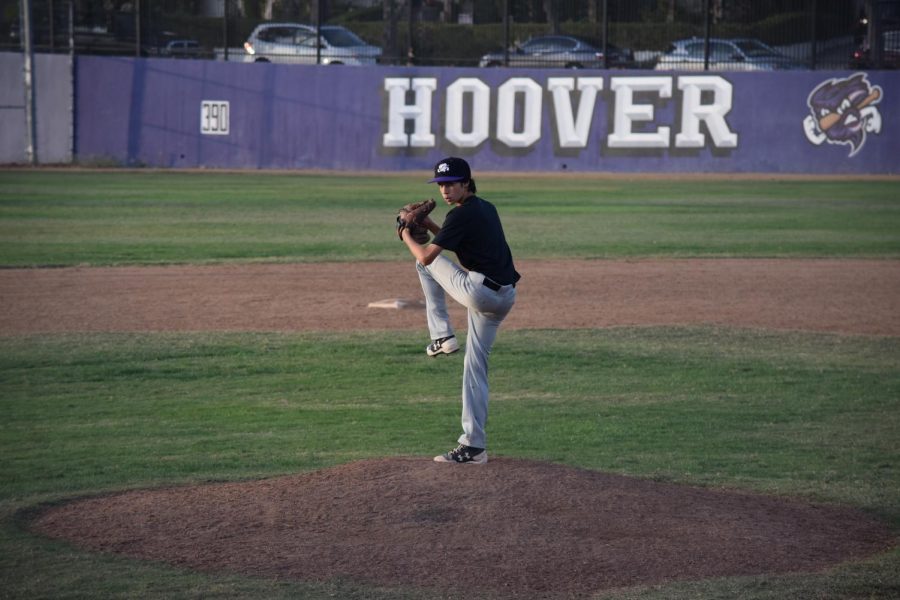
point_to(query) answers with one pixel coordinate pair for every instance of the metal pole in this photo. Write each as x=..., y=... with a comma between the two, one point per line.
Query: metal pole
x=814, y=18
x=707, y=28
x=605, y=34
x=876, y=26
x=72, y=113
x=72, y=30
x=52, y=27
x=28, y=74
x=410, y=34
x=225, y=27
x=506, y=19
x=318, y=32
x=137, y=28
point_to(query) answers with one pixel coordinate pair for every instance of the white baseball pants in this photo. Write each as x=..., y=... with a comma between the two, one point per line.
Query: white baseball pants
x=487, y=308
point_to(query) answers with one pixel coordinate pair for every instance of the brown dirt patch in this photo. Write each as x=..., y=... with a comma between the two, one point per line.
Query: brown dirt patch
x=846, y=296
x=530, y=529
x=511, y=528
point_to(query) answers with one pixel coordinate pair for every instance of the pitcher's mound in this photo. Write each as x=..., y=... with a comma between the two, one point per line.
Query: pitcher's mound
x=509, y=528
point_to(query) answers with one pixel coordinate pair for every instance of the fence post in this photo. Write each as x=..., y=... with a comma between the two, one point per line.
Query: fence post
x=225, y=27
x=52, y=28
x=318, y=7
x=137, y=28
x=72, y=90
x=876, y=36
x=28, y=76
x=605, y=34
x=506, y=19
x=707, y=27
x=410, y=33
x=814, y=33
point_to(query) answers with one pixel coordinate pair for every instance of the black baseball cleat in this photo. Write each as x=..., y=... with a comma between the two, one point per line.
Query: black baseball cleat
x=465, y=455
x=445, y=345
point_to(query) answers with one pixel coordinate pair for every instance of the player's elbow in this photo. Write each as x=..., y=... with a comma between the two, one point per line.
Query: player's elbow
x=428, y=254
x=426, y=259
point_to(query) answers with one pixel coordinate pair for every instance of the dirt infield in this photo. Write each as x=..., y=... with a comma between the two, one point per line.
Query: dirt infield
x=845, y=296
x=512, y=528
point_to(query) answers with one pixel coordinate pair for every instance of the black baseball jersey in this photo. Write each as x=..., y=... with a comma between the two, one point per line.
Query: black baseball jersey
x=473, y=231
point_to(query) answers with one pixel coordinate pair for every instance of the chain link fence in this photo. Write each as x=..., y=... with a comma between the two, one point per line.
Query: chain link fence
x=715, y=35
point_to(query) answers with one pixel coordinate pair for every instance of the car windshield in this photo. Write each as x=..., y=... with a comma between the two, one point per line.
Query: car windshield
x=755, y=49
x=341, y=37
x=548, y=44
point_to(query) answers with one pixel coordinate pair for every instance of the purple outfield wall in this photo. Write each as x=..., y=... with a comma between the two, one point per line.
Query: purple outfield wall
x=184, y=113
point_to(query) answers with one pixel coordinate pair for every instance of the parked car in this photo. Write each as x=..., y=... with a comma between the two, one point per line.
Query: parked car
x=171, y=45
x=184, y=49
x=890, y=57
x=739, y=54
x=560, y=51
x=296, y=43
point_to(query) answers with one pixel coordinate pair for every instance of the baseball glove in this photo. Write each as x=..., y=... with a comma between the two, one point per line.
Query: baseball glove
x=411, y=216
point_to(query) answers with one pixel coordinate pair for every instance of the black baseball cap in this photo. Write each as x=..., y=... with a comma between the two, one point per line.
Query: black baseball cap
x=451, y=169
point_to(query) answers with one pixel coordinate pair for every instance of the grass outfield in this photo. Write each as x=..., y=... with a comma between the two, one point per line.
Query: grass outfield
x=135, y=217
x=799, y=414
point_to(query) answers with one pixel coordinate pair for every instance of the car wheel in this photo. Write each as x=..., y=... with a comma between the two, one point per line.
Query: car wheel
x=261, y=60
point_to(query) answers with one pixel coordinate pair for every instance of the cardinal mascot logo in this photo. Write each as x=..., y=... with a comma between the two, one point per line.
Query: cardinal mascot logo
x=843, y=111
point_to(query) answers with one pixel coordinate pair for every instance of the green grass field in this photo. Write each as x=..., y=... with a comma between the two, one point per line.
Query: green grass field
x=66, y=218
x=810, y=415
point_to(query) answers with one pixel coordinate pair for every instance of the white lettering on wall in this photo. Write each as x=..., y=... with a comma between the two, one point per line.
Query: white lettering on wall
x=419, y=112
x=519, y=111
x=627, y=112
x=713, y=114
x=480, y=95
x=532, y=100
x=572, y=131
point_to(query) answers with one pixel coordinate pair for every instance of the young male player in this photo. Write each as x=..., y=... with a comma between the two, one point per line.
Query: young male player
x=484, y=282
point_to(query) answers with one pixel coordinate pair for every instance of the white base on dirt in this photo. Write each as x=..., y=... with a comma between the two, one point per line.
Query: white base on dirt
x=397, y=303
